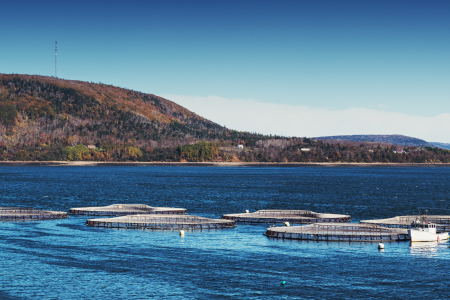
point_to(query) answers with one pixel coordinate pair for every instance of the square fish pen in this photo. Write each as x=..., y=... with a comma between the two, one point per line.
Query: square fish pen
x=442, y=222
x=349, y=232
x=161, y=222
x=28, y=213
x=126, y=209
x=291, y=216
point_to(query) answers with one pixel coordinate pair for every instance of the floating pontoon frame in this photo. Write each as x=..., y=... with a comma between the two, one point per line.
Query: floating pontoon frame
x=28, y=213
x=291, y=216
x=126, y=209
x=161, y=222
x=442, y=222
x=352, y=232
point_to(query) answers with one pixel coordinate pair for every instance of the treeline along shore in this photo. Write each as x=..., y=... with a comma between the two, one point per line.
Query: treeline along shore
x=47, y=119
x=269, y=151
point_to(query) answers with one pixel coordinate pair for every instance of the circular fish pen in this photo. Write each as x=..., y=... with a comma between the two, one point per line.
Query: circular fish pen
x=442, y=222
x=291, y=216
x=349, y=232
x=161, y=222
x=28, y=213
x=126, y=209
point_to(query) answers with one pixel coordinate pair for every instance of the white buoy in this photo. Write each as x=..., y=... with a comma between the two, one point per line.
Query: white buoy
x=246, y=211
x=381, y=245
x=182, y=233
x=286, y=224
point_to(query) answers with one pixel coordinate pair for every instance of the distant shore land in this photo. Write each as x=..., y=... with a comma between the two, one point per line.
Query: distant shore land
x=213, y=164
x=50, y=121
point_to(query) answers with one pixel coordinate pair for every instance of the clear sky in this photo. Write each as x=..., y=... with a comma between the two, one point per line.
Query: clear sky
x=360, y=63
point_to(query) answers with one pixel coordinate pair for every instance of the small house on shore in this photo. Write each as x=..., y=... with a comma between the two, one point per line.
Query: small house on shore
x=400, y=151
x=240, y=146
x=91, y=146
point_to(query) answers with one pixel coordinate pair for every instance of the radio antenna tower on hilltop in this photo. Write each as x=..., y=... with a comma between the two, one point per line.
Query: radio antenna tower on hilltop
x=56, y=53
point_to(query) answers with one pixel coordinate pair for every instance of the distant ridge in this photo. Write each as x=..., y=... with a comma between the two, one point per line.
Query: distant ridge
x=395, y=139
x=442, y=145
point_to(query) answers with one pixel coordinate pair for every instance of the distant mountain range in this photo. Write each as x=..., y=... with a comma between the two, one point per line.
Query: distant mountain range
x=395, y=139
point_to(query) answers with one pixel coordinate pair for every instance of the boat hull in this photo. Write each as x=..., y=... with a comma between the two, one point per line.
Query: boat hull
x=424, y=236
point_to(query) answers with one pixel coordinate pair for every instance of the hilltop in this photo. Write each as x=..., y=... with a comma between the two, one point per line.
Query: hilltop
x=51, y=119
x=93, y=112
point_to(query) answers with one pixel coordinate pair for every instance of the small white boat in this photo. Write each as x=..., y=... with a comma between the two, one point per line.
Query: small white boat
x=424, y=231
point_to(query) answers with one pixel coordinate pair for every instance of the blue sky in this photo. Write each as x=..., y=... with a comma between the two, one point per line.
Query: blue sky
x=332, y=56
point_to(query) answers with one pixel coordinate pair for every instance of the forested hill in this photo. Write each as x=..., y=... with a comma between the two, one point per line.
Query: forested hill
x=92, y=111
x=38, y=110
x=394, y=139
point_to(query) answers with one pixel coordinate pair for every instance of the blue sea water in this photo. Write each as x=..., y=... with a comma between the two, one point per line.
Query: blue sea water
x=64, y=259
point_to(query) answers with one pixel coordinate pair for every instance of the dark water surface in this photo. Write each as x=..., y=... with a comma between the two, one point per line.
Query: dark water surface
x=64, y=259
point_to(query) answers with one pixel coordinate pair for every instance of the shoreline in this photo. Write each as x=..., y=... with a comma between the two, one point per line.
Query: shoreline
x=211, y=164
